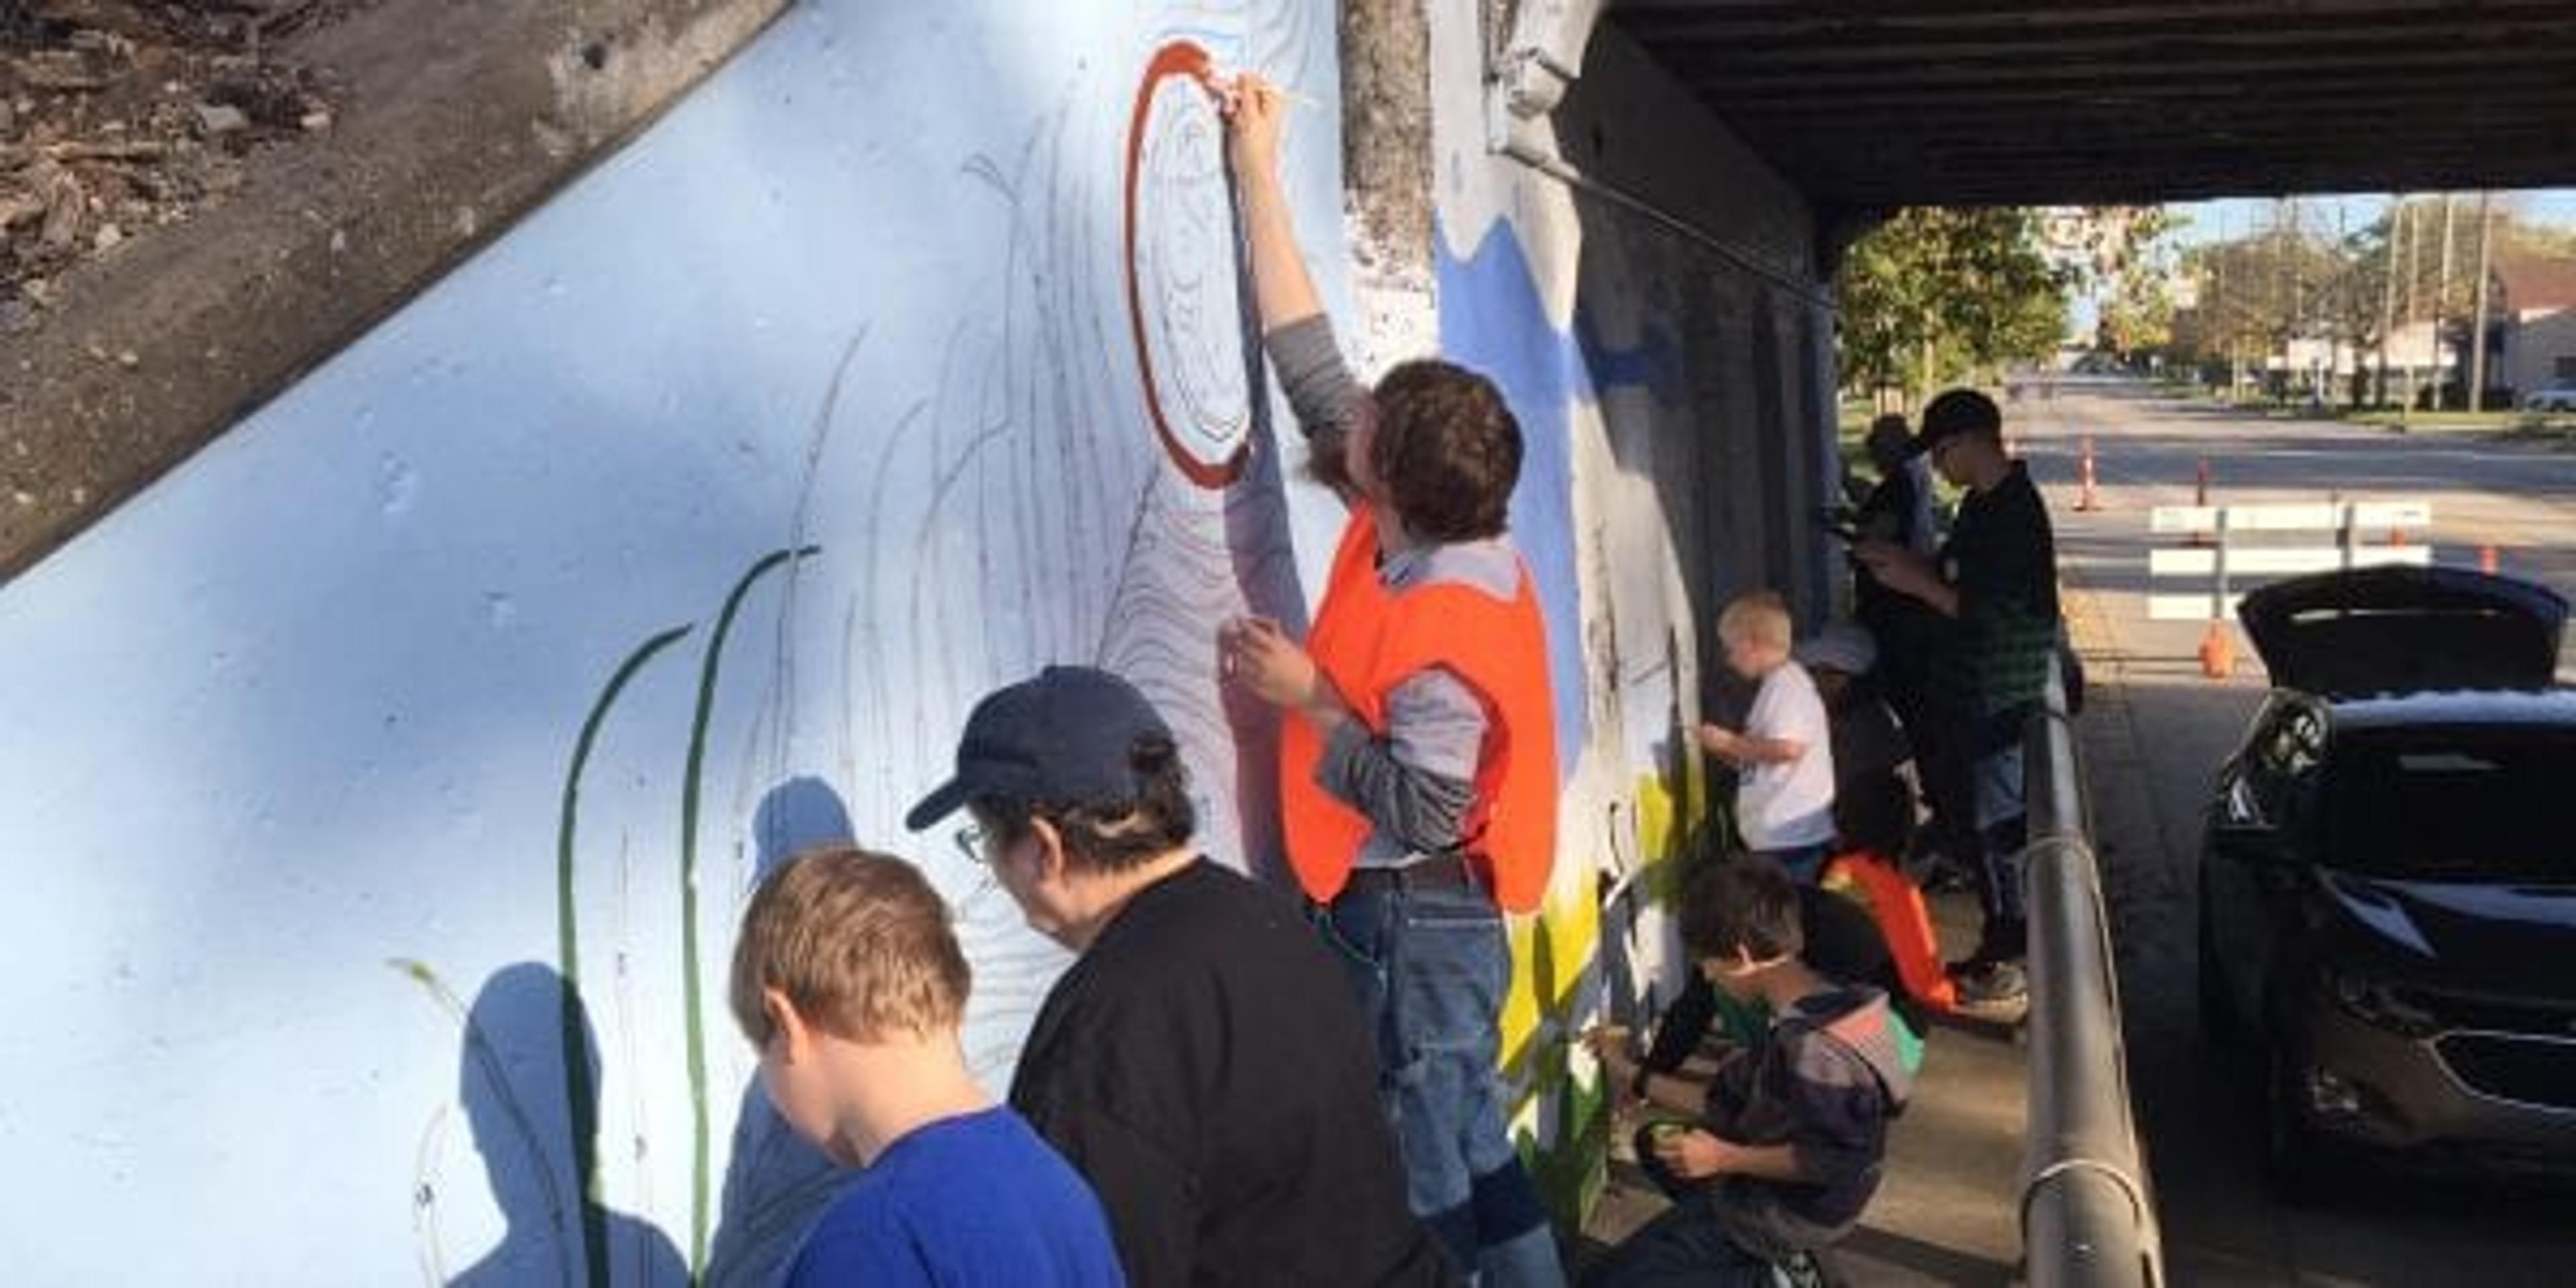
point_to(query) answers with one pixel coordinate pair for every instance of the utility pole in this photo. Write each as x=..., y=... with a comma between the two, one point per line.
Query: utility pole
x=2478, y=316
x=2442, y=306
x=2341, y=285
x=2388, y=289
x=2414, y=233
x=2285, y=291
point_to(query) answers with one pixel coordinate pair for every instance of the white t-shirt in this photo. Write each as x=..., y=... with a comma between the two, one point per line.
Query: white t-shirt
x=1782, y=805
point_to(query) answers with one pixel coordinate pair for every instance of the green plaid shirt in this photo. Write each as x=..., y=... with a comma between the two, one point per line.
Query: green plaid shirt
x=2002, y=559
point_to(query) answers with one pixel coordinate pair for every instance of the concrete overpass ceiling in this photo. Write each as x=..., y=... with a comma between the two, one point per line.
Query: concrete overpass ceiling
x=1874, y=104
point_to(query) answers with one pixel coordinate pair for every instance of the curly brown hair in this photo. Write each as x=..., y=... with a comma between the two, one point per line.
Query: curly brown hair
x=1448, y=450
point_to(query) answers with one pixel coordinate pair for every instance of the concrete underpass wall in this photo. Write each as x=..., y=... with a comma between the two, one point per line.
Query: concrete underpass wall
x=677, y=529
x=1673, y=384
x=381, y=785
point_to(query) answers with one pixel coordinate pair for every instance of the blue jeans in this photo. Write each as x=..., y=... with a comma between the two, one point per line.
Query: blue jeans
x=1683, y=1248
x=2003, y=828
x=1430, y=968
x=1804, y=863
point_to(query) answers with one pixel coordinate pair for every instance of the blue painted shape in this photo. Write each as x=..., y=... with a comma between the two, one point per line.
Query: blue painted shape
x=1653, y=364
x=1491, y=319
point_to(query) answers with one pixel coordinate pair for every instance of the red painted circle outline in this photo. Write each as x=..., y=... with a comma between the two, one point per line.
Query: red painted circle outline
x=1177, y=58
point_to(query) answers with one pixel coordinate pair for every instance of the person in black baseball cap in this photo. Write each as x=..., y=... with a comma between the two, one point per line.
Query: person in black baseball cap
x=1993, y=591
x=1201, y=1063
x=1953, y=413
x=1067, y=737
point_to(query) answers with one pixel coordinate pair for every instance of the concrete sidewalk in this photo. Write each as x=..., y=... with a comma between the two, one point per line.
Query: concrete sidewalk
x=1946, y=1212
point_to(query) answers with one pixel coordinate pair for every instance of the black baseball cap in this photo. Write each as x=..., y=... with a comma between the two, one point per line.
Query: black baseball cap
x=1063, y=737
x=1956, y=412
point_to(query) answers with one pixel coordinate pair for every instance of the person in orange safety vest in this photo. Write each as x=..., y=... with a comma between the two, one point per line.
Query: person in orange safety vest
x=1418, y=767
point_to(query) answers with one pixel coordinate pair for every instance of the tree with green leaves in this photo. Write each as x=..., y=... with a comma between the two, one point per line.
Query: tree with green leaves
x=2129, y=272
x=2253, y=295
x=1936, y=296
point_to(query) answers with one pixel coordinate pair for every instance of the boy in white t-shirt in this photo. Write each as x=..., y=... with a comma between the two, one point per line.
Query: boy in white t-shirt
x=1784, y=803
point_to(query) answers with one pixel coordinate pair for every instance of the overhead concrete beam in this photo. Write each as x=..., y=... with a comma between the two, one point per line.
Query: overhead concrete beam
x=457, y=119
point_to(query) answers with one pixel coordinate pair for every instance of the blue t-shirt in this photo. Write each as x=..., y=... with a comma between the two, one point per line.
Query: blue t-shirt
x=962, y=1202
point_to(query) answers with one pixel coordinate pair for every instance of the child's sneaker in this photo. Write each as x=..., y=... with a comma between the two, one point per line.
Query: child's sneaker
x=1938, y=873
x=1989, y=983
x=1801, y=1270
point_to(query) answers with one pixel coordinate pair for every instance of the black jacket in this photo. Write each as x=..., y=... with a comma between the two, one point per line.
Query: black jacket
x=1204, y=1065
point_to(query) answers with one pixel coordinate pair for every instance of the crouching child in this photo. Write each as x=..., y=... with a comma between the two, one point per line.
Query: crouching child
x=1791, y=1139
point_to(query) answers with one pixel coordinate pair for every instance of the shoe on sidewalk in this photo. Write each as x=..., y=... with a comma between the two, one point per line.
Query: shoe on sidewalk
x=1990, y=983
x=1941, y=876
x=1801, y=1270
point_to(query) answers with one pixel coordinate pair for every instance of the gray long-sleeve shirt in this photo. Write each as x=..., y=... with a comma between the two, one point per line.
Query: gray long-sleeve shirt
x=1415, y=781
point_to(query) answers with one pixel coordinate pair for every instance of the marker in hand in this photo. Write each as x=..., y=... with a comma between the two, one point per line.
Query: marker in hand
x=1228, y=88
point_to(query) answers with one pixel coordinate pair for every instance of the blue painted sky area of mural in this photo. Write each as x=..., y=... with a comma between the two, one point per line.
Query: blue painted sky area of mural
x=1653, y=364
x=1491, y=319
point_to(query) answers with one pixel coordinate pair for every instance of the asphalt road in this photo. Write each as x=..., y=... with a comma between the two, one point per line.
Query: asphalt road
x=2154, y=732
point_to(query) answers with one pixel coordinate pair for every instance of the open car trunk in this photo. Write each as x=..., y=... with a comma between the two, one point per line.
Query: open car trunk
x=2402, y=629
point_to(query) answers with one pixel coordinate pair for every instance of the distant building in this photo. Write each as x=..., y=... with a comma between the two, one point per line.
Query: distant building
x=2537, y=306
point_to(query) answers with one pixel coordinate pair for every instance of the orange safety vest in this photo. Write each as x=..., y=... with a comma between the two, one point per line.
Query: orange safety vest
x=1366, y=640
x=1896, y=904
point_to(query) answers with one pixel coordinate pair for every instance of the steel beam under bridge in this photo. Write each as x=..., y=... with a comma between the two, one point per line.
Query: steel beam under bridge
x=1871, y=105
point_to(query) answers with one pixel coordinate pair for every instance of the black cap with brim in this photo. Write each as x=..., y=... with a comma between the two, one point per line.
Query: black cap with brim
x=1066, y=736
x=1956, y=412
x=946, y=799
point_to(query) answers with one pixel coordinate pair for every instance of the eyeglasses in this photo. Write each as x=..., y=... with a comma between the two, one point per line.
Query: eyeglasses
x=970, y=840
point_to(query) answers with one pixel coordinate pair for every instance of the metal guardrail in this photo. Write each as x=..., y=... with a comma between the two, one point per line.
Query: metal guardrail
x=2087, y=1213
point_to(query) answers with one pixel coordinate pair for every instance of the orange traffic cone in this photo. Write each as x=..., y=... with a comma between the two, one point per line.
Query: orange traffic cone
x=2217, y=651
x=2487, y=560
x=2084, y=499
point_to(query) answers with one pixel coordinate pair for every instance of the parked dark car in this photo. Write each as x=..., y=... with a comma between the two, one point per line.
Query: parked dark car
x=2388, y=876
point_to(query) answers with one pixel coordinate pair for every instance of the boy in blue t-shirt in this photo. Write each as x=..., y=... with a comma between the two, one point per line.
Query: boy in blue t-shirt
x=849, y=980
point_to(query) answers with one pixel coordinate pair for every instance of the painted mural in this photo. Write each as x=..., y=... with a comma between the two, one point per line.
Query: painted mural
x=1636, y=362
x=1635, y=799
x=382, y=785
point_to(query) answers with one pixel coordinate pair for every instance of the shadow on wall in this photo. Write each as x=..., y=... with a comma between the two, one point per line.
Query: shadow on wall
x=776, y=1184
x=1725, y=364
x=514, y=1098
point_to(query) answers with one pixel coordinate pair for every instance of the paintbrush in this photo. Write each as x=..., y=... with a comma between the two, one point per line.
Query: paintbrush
x=1219, y=76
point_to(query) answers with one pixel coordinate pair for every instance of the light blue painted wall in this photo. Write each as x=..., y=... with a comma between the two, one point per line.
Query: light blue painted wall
x=301, y=715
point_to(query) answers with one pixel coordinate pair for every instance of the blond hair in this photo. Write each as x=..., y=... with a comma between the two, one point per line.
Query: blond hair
x=857, y=941
x=1756, y=617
